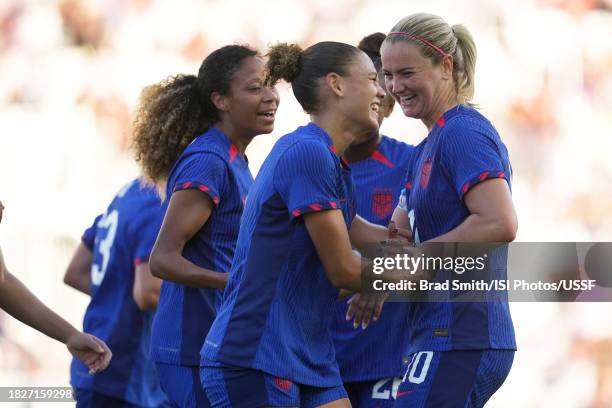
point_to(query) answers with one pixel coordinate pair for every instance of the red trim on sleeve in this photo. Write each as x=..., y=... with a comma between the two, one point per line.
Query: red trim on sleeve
x=333, y=204
x=409, y=185
x=296, y=213
x=203, y=188
x=187, y=184
x=441, y=121
x=315, y=207
x=483, y=176
x=216, y=200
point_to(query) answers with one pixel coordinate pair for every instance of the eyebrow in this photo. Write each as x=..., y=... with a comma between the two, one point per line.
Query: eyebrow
x=401, y=70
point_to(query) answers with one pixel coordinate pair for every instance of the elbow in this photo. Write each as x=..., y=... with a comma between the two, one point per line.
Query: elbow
x=156, y=265
x=146, y=301
x=70, y=279
x=506, y=228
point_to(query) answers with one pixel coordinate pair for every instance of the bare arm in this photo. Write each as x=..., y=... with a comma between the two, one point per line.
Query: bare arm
x=146, y=287
x=364, y=232
x=20, y=303
x=78, y=273
x=331, y=239
x=187, y=212
x=492, y=216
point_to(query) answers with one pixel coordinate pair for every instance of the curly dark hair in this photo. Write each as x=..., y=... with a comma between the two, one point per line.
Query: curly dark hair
x=175, y=111
x=303, y=68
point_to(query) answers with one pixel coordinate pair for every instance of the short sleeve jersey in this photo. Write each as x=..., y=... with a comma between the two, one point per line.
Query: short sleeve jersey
x=462, y=150
x=212, y=165
x=120, y=239
x=276, y=311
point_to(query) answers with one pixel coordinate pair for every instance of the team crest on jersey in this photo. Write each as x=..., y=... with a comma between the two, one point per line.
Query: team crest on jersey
x=381, y=202
x=426, y=172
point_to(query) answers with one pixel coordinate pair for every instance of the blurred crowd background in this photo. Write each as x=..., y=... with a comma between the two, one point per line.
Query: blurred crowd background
x=71, y=72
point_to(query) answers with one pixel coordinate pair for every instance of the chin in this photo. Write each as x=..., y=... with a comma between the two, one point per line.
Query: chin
x=410, y=113
x=265, y=130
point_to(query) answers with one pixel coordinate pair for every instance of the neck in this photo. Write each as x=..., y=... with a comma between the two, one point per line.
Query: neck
x=362, y=151
x=341, y=136
x=234, y=135
x=443, y=103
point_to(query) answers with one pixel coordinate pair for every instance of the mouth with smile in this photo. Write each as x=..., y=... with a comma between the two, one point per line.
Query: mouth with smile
x=268, y=115
x=375, y=107
x=405, y=100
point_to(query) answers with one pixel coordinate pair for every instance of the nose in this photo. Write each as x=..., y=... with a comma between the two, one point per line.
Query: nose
x=394, y=84
x=271, y=94
x=380, y=91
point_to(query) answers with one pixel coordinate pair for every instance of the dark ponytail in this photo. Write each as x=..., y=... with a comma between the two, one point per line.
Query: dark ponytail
x=304, y=68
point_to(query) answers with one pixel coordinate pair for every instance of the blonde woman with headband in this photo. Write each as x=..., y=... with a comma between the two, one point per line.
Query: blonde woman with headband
x=458, y=189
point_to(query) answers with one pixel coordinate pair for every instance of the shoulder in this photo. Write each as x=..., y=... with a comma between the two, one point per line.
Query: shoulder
x=467, y=121
x=302, y=148
x=208, y=158
x=396, y=148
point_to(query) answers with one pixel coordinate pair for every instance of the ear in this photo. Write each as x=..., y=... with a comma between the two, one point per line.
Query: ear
x=221, y=102
x=334, y=83
x=447, y=67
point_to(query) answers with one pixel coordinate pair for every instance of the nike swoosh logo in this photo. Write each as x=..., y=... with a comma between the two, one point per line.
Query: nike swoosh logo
x=402, y=393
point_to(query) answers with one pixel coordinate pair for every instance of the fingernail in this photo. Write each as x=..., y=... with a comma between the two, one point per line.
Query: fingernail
x=355, y=325
x=364, y=325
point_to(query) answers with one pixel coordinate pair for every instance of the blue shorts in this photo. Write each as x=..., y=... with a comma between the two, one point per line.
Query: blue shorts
x=230, y=387
x=182, y=385
x=373, y=394
x=453, y=379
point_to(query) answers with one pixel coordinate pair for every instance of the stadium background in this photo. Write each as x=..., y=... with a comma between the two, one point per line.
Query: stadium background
x=71, y=72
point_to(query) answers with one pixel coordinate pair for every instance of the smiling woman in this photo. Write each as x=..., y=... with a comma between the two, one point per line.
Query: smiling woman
x=271, y=335
x=457, y=190
x=190, y=136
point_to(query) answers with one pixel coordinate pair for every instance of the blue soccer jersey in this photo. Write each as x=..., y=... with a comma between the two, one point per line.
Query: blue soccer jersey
x=374, y=353
x=462, y=150
x=120, y=239
x=211, y=164
x=276, y=315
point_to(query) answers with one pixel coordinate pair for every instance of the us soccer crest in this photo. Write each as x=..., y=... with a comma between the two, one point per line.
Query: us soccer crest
x=425, y=172
x=381, y=202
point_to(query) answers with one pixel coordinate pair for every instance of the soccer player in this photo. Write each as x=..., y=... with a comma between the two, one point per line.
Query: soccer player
x=19, y=302
x=191, y=136
x=270, y=344
x=370, y=360
x=111, y=265
x=457, y=190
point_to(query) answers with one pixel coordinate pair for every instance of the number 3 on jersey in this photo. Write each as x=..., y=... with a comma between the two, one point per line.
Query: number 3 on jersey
x=109, y=222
